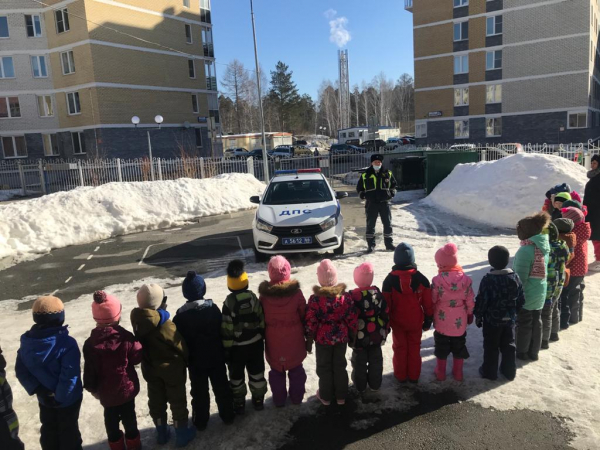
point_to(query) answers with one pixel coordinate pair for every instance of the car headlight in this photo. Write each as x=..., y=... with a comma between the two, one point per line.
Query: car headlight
x=329, y=223
x=263, y=226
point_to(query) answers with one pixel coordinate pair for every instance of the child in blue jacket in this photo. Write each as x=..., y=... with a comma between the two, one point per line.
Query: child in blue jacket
x=48, y=365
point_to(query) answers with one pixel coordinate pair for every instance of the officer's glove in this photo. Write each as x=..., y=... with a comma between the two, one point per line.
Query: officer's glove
x=362, y=195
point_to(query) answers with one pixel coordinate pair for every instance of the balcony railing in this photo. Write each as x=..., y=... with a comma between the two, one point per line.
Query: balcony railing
x=211, y=83
x=209, y=50
x=408, y=5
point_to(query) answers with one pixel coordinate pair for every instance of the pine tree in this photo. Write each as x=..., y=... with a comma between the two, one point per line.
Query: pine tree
x=283, y=95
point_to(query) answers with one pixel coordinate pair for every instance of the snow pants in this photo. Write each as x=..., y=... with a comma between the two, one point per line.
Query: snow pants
x=373, y=211
x=9, y=424
x=529, y=331
x=249, y=358
x=367, y=368
x=571, y=302
x=60, y=428
x=331, y=370
x=496, y=341
x=114, y=415
x=162, y=390
x=551, y=318
x=596, y=249
x=444, y=345
x=199, y=379
x=277, y=381
x=407, y=354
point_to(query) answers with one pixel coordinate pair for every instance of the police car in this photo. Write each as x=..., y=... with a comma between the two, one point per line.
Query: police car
x=299, y=212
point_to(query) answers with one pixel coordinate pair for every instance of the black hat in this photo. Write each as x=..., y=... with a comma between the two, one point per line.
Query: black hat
x=596, y=158
x=498, y=257
x=376, y=157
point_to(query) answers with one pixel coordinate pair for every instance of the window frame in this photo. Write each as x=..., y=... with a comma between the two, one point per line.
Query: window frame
x=461, y=27
x=80, y=140
x=461, y=64
x=495, y=87
x=195, y=104
x=8, y=109
x=7, y=28
x=461, y=3
x=462, y=96
x=74, y=103
x=493, y=52
x=420, y=135
x=14, y=146
x=70, y=60
x=192, y=68
x=495, y=25
x=64, y=12
x=33, y=16
x=3, y=70
x=45, y=66
x=487, y=126
x=463, y=121
x=189, y=39
x=577, y=113
x=44, y=104
x=46, y=143
x=186, y=4
x=210, y=75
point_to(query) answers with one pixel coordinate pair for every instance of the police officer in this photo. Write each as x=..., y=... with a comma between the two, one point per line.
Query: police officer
x=378, y=187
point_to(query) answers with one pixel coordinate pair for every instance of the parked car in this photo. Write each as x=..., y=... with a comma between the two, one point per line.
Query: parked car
x=305, y=150
x=462, y=147
x=408, y=140
x=235, y=153
x=282, y=151
x=511, y=148
x=373, y=145
x=257, y=153
x=345, y=149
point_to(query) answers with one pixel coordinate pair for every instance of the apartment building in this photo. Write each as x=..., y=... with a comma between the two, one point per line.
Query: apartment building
x=73, y=73
x=506, y=70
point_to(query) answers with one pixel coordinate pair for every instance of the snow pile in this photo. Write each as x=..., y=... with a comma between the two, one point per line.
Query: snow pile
x=93, y=213
x=502, y=192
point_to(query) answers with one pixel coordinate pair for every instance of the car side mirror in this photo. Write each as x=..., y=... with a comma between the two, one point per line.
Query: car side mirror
x=255, y=199
x=340, y=195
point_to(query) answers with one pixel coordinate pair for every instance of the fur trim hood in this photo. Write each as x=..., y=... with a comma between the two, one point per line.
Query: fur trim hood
x=329, y=291
x=284, y=289
x=532, y=225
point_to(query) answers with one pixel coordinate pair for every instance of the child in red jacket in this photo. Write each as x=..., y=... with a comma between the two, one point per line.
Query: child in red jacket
x=408, y=293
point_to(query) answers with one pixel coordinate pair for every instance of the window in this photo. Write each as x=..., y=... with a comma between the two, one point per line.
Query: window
x=4, y=27
x=461, y=129
x=213, y=107
x=493, y=26
x=198, y=133
x=78, y=143
x=207, y=42
x=578, y=120
x=38, y=66
x=195, y=107
x=461, y=97
x=33, y=24
x=7, y=68
x=45, y=107
x=205, y=11
x=493, y=127
x=188, y=33
x=461, y=31
x=351, y=134
x=343, y=135
x=493, y=93
x=50, y=145
x=73, y=105
x=186, y=3
x=14, y=147
x=211, y=80
x=9, y=107
x=493, y=60
x=62, y=20
x=459, y=3
x=461, y=64
x=192, y=68
x=67, y=61
x=421, y=130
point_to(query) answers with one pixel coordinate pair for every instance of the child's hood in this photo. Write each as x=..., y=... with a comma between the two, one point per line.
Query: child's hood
x=144, y=321
x=107, y=338
x=366, y=304
x=329, y=291
x=196, y=305
x=542, y=242
x=453, y=278
x=37, y=344
x=283, y=291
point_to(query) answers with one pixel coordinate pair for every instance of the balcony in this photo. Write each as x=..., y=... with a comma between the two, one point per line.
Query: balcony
x=408, y=5
x=211, y=83
x=209, y=50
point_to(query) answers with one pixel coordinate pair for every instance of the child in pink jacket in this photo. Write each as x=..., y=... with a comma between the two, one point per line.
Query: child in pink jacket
x=453, y=303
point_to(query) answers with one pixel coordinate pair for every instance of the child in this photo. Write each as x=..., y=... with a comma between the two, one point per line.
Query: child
x=373, y=328
x=331, y=322
x=9, y=424
x=531, y=264
x=408, y=293
x=48, y=365
x=452, y=296
x=572, y=296
x=199, y=322
x=549, y=202
x=163, y=365
x=111, y=354
x=243, y=331
x=565, y=234
x=284, y=306
x=499, y=300
x=559, y=255
x=559, y=199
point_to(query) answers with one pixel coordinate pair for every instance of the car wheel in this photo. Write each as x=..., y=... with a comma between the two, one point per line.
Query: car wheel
x=340, y=250
x=260, y=257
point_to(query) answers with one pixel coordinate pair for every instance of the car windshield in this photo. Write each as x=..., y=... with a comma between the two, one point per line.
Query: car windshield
x=297, y=191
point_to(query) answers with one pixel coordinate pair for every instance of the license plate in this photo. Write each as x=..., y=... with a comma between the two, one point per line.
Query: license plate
x=297, y=241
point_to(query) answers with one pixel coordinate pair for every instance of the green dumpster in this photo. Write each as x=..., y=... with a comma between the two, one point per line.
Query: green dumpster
x=438, y=165
x=409, y=171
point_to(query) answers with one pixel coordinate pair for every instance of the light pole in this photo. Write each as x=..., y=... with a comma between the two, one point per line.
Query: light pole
x=135, y=120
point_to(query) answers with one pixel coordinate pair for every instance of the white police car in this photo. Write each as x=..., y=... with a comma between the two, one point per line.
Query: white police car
x=299, y=212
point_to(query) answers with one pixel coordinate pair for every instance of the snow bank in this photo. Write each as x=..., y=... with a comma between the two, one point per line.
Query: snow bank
x=502, y=192
x=93, y=213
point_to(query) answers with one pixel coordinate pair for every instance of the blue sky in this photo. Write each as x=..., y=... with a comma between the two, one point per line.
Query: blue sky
x=297, y=32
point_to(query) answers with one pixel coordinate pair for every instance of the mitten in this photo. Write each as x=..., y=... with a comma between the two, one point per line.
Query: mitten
x=479, y=322
x=427, y=323
x=309, y=345
x=362, y=195
x=469, y=319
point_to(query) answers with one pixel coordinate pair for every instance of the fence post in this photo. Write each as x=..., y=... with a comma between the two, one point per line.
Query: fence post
x=119, y=171
x=159, y=168
x=250, y=163
x=80, y=169
x=202, y=174
x=483, y=154
x=22, y=179
x=42, y=177
x=587, y=161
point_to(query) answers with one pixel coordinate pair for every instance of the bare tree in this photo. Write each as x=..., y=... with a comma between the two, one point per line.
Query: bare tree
x=235, y=83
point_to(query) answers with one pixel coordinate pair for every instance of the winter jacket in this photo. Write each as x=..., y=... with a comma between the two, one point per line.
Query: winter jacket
x=500, y=298
x=452, y=297
x=579, y=263
x=373, y=317
x=330, y=315
x=591, y=199
x=533, y=272
x=243, y=319
x=557, y=262
x=408, y=293
x=110, y=355
x=378, y=187
x=164, y=351
x=48, y=364
x=571, y=240
x=199, y=323
x=284, y=306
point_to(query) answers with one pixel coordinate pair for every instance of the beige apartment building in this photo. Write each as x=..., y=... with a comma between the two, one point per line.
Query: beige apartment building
x=73, y=73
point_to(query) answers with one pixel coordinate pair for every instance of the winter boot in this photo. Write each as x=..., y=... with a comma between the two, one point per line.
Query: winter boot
x=258, y=403
x=183, y=435
x=545, y=345
x=390, y=247
x=554, y=337
x=324, y=402
x=341, y=402
x=457, y=368
x=371, y=248
x=239, y=406
x=135, y=443
x=117, y=445
x=522, y=356
x=162, y=433
x=440, y=369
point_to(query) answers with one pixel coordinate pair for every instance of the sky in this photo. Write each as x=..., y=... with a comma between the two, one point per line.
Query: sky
x=306, y=34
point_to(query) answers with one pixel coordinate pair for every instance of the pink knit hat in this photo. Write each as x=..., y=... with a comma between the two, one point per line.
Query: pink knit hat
x=363, y=275
x=106, y=309
x=573, y=213
x=447, y=255
x=279, y=269
x=575, y=196
x=327, y=273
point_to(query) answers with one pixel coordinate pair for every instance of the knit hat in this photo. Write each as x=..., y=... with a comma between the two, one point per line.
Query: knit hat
x=561, y=188
x=574, y=214
x=447, y=256
x=552, y=232
x=48, y=311
x=237, y=278
x=564, y=225
x=574, y=204
x=376, y=157
x=106, y=309
x=532, y=225
x=596, y=158
x=193, y=287
x=364, y=274
x=327, y=273
x=404, y=255
x=575, y=196
x=498, y=257
x=279, y=269
x=150, y=296
x=562, y=197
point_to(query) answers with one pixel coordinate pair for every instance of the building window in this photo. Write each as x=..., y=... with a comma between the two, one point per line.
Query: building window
x=461, y=31
x=461, y=97
x=62, y=20
x=207, y=42
x=421, y=130
x=493, y=93
x=205, y=11
x=493, y=60
x=38, y=66
x=351, y=134
x=78, y=143
x=9, y=107
x=14, y=147
x=4, y=27
x=67, y=61
x=459, y=3
x=50, y=145
x=188, y=34
x=192, y=68
x=493, y=26
x=198, y=133
x=578, y=120
x=213, y=107
x=73, y=105
x=45, y=107
x=186, y=3
x=493, y=127
x=461, y=129
x=7, y=68
x=195, y=106
x=33, y=25
x=461, y=64
x=211, y=80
